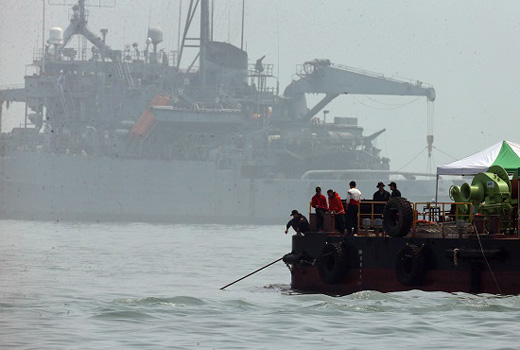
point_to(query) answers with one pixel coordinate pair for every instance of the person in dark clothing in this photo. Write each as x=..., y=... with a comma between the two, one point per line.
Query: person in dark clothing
x=319, y=203
x=336, y=208
x=395, y=191
x=381, y=196
x=299, y=223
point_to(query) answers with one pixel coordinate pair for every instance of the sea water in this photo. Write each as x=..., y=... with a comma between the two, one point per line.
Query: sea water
x=144, y=286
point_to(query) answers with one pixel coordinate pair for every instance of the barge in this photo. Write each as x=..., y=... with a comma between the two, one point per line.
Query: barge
x=469, y=245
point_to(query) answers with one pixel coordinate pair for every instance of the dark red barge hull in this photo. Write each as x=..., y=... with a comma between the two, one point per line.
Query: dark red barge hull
x=388, y=264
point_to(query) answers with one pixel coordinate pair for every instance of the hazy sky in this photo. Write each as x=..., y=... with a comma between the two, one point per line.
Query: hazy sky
x=467, y=50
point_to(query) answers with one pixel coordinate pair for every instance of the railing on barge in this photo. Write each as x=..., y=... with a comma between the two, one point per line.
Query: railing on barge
x=436, y=218
x=441, y=219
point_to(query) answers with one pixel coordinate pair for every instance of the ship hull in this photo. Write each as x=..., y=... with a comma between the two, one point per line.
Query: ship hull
x=374, y=263
x=44, y=186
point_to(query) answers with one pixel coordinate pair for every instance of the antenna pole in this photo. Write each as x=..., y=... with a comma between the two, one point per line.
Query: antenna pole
x=179, y=30
x=204, y=38
x=149, y=19
x=242, y=39
x=212, y=18
x=278, y=50
x=43, y=38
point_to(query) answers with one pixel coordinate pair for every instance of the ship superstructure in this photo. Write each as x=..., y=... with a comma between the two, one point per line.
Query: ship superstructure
x=226, y=114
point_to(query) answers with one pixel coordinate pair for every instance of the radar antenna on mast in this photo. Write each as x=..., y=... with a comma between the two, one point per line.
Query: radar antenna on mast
x=79, y=20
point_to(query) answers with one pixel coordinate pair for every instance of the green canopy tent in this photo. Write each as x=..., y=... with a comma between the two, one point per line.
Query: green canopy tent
x=504, y=153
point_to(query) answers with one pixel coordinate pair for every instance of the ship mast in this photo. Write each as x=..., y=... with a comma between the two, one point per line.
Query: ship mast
x=43, y=39
x=242, y=35
x=78, y=25
x=204, y=38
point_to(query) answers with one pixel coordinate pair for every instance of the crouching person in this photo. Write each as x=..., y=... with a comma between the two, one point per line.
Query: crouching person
x=299, y=223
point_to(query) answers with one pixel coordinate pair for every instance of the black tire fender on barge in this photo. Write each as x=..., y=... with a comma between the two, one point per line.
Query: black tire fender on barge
x=410, y=266
x=293, y=258
x=332, y=263
x=397, y=217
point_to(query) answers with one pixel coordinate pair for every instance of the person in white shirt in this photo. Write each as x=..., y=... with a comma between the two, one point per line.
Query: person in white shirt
x=353, y=198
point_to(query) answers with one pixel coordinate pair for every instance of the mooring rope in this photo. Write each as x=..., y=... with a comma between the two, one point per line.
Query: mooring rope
x=485, y=258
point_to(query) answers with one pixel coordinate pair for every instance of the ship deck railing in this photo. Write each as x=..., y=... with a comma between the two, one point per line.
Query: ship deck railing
x=11, y=87
x=366, y=174
x=267, y=71
x=127, y=56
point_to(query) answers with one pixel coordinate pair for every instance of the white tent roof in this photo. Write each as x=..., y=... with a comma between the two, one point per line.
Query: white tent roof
x=477, y=162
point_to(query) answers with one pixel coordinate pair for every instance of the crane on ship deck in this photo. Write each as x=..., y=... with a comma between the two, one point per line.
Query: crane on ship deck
x=320, y=76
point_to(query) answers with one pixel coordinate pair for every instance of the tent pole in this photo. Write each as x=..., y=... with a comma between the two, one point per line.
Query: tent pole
x=437, y=190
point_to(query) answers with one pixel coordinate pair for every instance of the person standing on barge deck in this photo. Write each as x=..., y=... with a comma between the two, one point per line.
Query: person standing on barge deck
x=299, y=223
x=319, y=203
x=353, y=198
x=380, y=195
x=336, y=208
x=395, y=191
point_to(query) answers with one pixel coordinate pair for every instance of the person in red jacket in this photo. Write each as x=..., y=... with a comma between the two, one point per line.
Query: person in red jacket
x=319, y=203
x=336, y=208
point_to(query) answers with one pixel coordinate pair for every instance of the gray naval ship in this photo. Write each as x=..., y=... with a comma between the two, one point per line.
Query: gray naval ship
x=142, y=135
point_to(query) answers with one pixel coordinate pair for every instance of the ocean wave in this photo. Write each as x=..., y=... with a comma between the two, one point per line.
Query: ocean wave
x=178, y=301
x=123, y=315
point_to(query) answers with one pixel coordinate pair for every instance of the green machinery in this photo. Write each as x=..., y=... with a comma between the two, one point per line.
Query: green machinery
x=462, y=210
x=491, y=194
